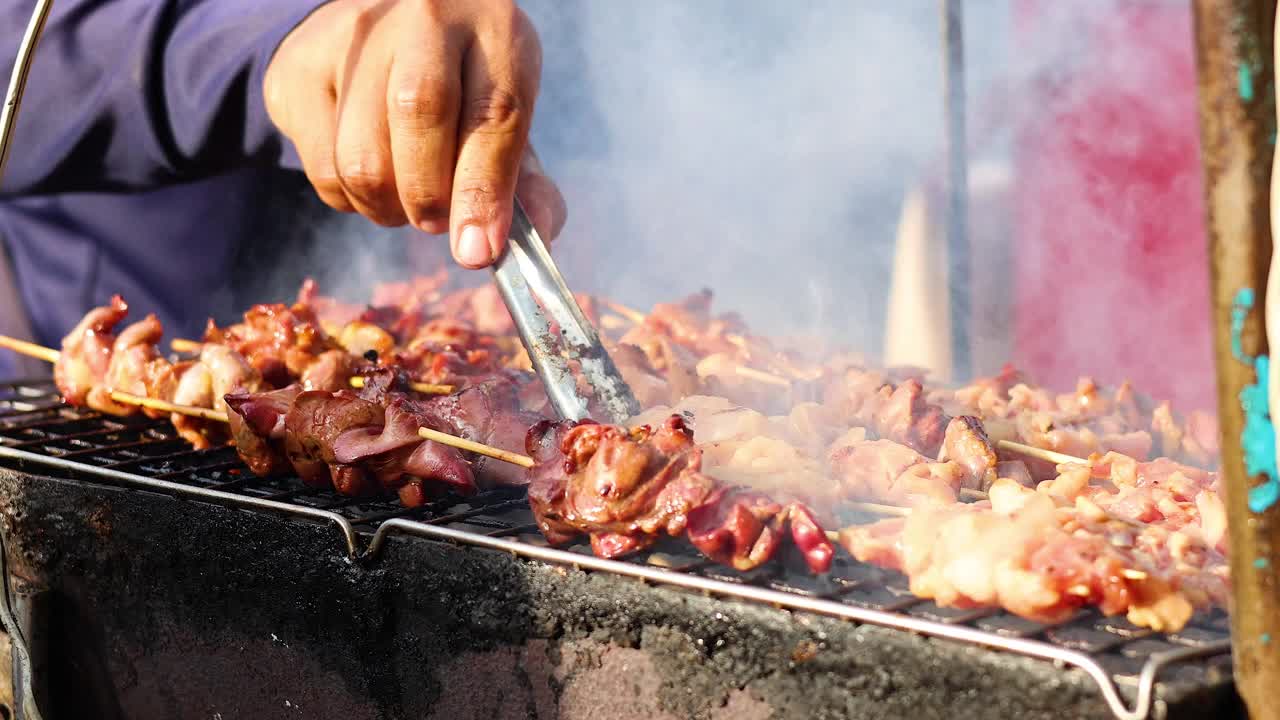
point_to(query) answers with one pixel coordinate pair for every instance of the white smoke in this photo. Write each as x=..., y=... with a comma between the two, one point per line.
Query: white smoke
x=758, y=148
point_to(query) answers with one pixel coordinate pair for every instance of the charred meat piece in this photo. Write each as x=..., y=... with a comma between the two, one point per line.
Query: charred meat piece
x=331, y=370
x=279, y=341
x=220, y=371
x=135, y=364
x=345, y=441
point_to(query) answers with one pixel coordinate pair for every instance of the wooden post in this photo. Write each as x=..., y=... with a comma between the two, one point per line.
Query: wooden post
x=1235, y=62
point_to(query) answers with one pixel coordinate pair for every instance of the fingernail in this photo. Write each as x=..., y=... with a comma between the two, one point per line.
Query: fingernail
x=473, y=247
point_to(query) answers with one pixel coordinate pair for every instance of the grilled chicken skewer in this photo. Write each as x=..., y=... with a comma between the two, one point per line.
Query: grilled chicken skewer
x=183, y=345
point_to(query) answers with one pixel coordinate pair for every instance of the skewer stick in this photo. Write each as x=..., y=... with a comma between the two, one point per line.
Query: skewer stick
x=475, y=447
x=163, y=406
x=29, y=349
x=761, y=376
x=424, y=433
x=1056, y=458
x=184, y=345
x=631, y=314
x=428, y=388
x=878, y=509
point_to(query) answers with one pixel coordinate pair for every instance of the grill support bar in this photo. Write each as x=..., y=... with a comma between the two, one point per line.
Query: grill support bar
x=1234, y=40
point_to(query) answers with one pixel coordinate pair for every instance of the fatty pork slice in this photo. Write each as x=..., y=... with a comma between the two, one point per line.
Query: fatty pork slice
x=219, y=372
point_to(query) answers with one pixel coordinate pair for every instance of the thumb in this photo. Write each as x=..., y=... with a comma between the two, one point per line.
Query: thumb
x=540, y=197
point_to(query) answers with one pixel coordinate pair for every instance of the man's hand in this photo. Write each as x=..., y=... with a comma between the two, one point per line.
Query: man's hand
x=418, y=111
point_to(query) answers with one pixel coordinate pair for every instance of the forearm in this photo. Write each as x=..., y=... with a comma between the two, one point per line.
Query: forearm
x=130, y=94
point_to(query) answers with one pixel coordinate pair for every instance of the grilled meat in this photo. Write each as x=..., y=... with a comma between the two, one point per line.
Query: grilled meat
x=85, y=356
x=624, y=489
x=368, y=443
x=789, y=431
x=1038, y=561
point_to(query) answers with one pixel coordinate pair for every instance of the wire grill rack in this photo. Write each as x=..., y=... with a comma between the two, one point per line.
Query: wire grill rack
x=1132, y=666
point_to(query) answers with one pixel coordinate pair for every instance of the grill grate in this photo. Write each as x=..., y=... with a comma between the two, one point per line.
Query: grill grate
x=1131, y=665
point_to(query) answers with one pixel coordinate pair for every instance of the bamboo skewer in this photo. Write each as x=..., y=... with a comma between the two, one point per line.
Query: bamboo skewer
x=761, y=376
x=635, y=316
x=184, y=345
x=424, y=433
x=162, y=405
x=1056, y=458
x=878, y=509
x=29, y=349
x=463, y=444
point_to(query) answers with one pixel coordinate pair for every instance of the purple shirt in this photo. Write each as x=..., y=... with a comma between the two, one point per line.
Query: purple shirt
x=142, y=156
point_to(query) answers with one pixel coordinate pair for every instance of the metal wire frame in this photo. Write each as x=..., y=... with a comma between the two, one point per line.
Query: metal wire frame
x=37, y=429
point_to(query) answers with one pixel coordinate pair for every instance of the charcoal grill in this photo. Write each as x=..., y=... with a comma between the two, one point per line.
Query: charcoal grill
x=1138, y=673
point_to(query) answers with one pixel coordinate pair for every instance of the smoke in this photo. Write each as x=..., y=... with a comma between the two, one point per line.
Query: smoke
x=761, y=149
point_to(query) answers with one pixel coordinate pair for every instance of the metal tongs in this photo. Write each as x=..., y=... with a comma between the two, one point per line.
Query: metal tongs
x=533, y=289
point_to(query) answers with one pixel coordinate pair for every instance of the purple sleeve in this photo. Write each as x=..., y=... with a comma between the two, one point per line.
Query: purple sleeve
x=136, y=94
